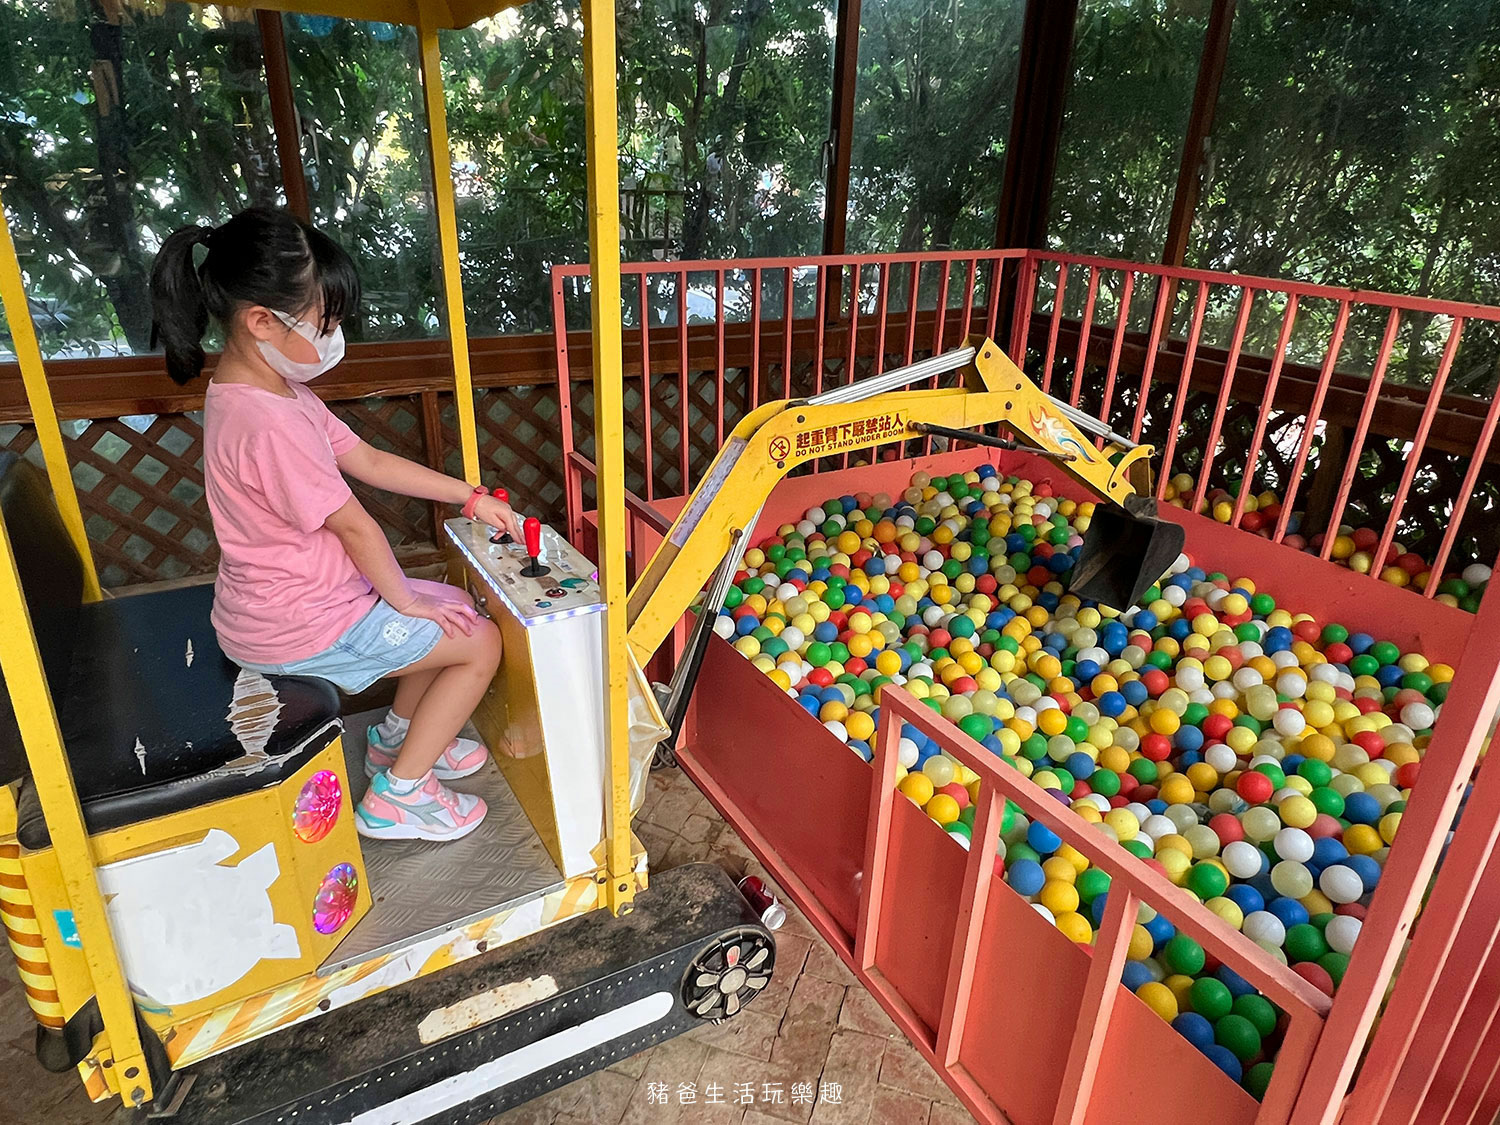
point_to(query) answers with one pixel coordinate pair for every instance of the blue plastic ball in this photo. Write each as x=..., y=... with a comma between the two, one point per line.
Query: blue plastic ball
x=1289, y=910
x=1223, y=1058
x=1042, y=839
x=1195, y=1029
x=1025, y=877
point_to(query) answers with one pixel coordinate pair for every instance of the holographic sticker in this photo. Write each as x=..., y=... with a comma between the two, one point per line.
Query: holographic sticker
x=335, y=899
x=317, y=807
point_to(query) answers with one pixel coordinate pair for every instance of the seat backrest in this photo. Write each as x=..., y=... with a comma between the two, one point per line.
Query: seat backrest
x=52, y=579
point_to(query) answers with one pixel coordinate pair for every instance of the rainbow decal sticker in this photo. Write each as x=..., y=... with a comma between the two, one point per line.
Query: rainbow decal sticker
x=335, y=899
x=1054, y=435
x=317, y=808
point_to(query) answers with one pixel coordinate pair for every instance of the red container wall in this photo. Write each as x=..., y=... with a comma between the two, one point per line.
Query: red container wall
x=793, y=781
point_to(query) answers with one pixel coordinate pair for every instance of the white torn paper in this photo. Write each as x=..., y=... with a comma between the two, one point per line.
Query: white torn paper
x=186, y=925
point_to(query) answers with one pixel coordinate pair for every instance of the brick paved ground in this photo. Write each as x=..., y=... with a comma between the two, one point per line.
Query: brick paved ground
x=814, y=1025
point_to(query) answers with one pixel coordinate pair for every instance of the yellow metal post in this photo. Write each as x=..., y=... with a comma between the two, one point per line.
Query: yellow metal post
x=39, y=398
x=602, y=128
x=25, y=677
x=433, y=15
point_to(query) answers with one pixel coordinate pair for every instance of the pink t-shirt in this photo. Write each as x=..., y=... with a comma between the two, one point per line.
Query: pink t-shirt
x=286, y=589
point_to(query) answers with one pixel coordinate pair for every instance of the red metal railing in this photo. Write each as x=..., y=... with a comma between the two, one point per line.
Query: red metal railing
x=1427, y=1062
x=1132, y=884
x=848, y=316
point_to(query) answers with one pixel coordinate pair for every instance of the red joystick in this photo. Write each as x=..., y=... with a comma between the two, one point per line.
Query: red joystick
x=532, y=530
x=500, y=535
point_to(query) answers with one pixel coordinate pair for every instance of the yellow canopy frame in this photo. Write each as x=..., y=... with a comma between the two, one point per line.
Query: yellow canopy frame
x=20, y=660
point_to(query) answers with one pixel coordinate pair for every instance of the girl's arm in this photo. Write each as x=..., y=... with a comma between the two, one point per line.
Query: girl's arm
x=392, y=473
x=367, y=546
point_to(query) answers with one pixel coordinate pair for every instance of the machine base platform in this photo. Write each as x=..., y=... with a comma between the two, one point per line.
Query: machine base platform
x=461, y=1045
x=421, y=888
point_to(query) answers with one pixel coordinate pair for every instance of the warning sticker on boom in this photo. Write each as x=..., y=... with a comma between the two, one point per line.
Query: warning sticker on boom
x=822, y=440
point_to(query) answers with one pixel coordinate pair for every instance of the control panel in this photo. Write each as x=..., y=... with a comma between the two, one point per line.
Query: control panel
x=541, y=579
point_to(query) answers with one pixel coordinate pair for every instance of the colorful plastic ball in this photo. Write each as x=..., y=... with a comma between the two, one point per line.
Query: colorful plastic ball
x=1341, y=884
x=1259, y=1011
x=1206, y=880
x=1342, y=932
x=1257, y=1079
x=1195, y=1028
x=1223, y=1058
x=1025, y=877
x=1042, y=838
x=1160, y=999
x=1184, y=955
x=1239, y=1035
x=1210, y=998
x=1242, y=859
x=1305, y=943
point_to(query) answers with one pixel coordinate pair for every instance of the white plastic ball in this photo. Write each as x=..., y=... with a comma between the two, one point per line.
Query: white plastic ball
x=1341, y=884
x=1476, y=574
x=838, y=730
x=1418, y=716
x=907, y=753
x=1293, y=844
x=1219, y=756
x=724, y=626
x=1292, y=879
x=1242, y=859
x=1342, y=932
x=1288, y=722
x=1265, y=928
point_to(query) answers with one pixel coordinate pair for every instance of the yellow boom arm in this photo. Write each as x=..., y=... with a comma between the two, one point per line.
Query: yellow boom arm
x=773, y=440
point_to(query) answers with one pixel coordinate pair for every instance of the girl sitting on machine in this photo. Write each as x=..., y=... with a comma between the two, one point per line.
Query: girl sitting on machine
x=307, y=583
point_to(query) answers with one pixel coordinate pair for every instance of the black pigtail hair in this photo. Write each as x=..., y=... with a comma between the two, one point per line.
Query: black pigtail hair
x=179, y=308
x=263, y=256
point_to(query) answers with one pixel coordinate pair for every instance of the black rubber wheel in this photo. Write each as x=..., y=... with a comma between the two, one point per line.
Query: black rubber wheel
x=52, y=1050
x=728, y=973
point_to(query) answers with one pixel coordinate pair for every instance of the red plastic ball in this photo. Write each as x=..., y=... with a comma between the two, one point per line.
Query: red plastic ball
x=1216, y=726
x=1155, y=746
x=1226, y=827
x=1406, y=776
x=1315, y=975
x=1254, y=787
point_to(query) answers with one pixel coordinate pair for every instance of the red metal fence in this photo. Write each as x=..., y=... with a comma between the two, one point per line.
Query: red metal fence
x=1342, y=402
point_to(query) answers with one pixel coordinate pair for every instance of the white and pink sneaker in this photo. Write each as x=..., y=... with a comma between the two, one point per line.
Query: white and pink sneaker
x=463, y=757
x=429, y=811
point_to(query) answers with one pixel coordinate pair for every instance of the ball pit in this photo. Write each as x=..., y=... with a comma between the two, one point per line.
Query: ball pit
x=1353, y=547
x=1258, y=757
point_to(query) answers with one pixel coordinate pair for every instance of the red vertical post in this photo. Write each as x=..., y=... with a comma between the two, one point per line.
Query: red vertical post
x=1310, y=419
x=1122, y=323
x=788, y=310
x=1162, y=309
x=819, y=330
x=647, y=413
x=882, y=304
x=1085, y=329
x=877, y=838
x=992, y=298
x=1179, y=400
x=755, y=338
x=720, y=390
x=1465, y=492
x=1020, y=324
x=850, y=376
x=1055, y=326
x=685, y=453
x=969, y=298
x=1456, y=740
x=1226, y=381
x=1361, y=428
x=1097, y=1006
x=572, y=483
x=1419, y=443
x=1268, y=402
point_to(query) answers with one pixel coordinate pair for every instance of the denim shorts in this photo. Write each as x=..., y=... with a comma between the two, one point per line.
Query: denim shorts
x=378, y=644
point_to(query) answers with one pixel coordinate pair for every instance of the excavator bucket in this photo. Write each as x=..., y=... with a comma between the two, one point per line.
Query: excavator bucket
x=1125, y=551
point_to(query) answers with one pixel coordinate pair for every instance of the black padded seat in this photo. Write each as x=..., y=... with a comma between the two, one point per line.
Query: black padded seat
x=155, y=718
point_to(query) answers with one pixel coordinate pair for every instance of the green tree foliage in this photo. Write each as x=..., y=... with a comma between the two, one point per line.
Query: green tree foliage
x=932, y=115
x=118, y=124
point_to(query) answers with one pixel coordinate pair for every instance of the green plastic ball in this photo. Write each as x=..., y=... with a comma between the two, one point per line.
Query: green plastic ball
x=1305, y=942
x=1211, y=998
x=1239, y=1035
x=1258, y=1010
x=1184, y=955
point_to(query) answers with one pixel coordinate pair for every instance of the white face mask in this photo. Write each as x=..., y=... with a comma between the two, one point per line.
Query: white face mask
x=330, y=349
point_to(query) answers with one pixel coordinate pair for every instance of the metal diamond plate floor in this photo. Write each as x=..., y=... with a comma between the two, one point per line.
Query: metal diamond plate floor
x=421, y=888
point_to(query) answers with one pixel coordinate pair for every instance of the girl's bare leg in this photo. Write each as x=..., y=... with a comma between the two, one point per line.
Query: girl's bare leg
x=447, y=684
